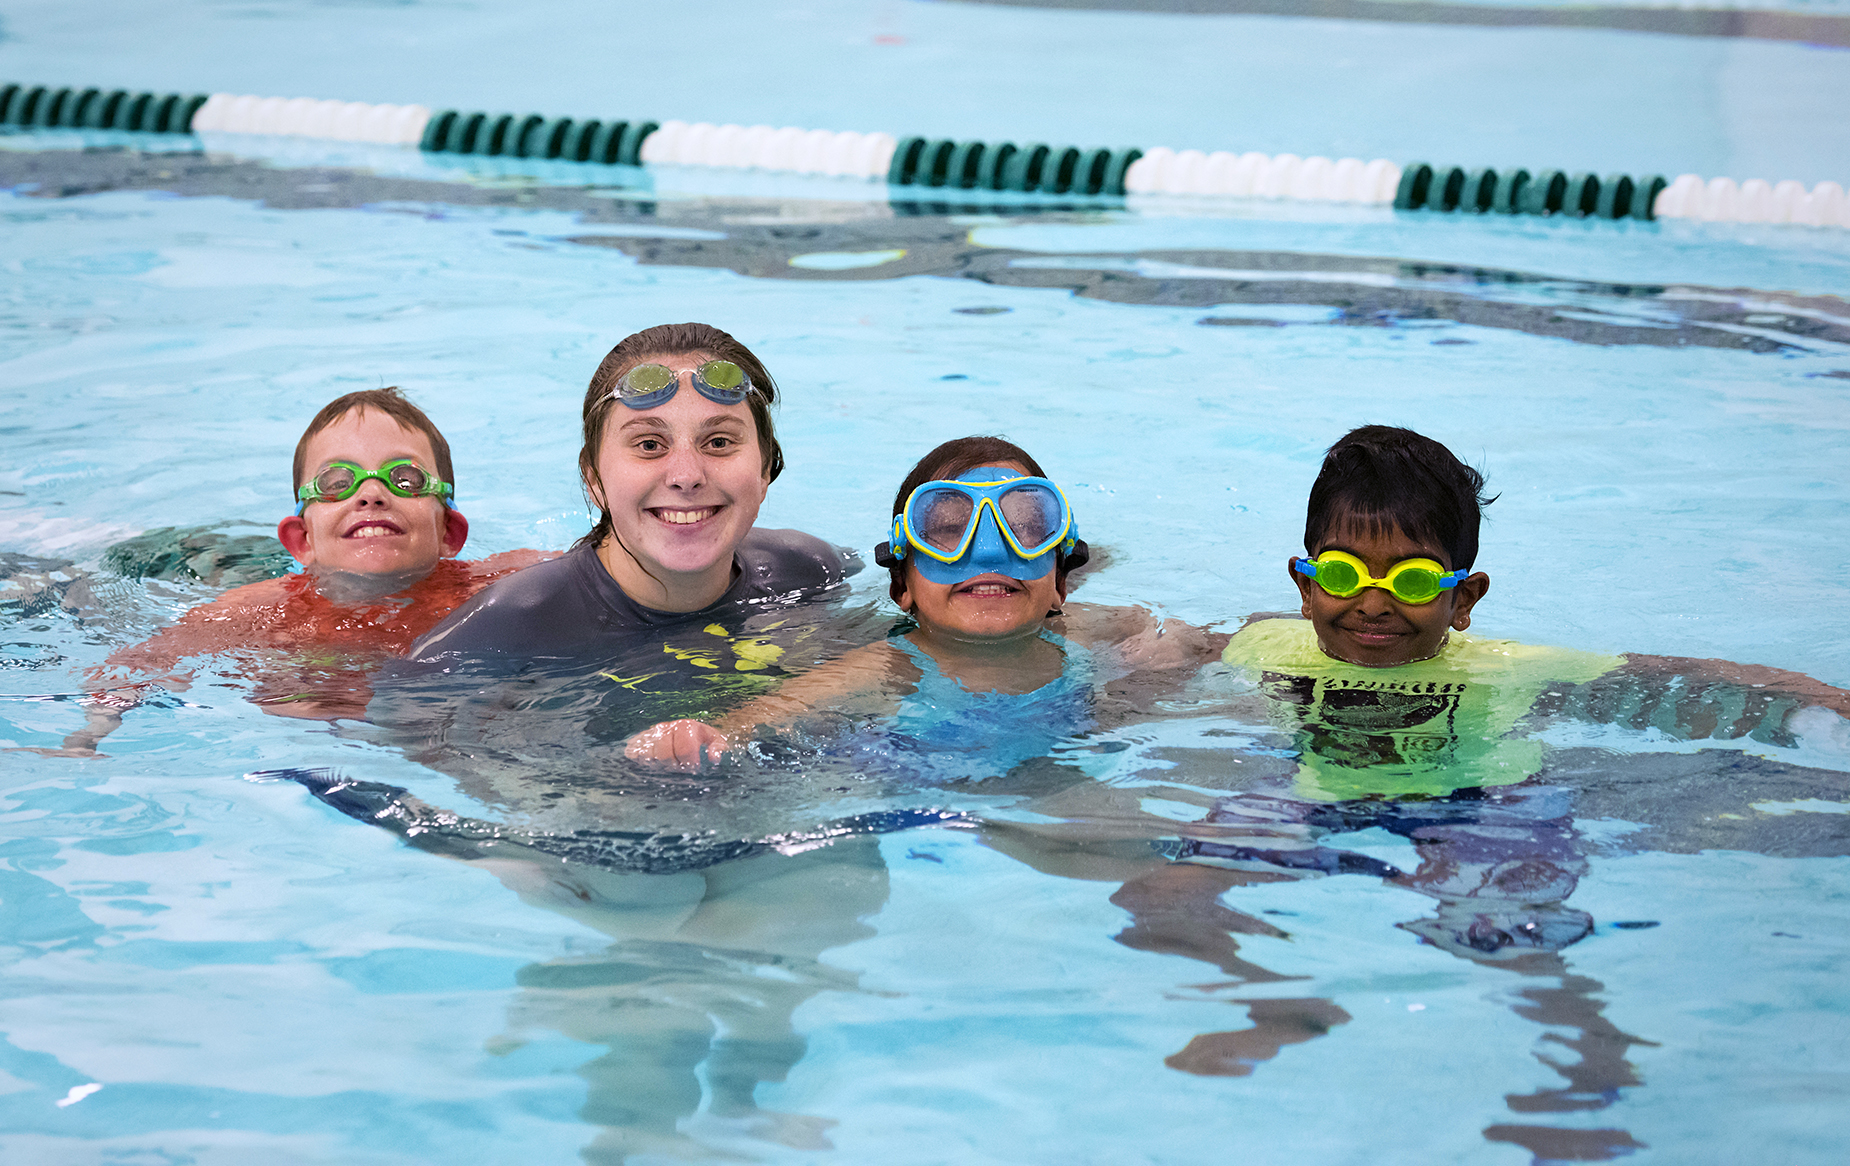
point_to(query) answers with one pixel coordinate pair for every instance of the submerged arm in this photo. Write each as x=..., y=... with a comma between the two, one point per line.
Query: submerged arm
x=866, y=676
x=118, y=684
x=1689, y=698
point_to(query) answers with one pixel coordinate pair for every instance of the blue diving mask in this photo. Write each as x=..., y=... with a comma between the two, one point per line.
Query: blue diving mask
x=988, y=521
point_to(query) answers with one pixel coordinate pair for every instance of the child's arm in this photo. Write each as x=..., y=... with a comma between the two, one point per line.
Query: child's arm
x=234, y=620
x=1692, y=699
x=867, y=676
x=1140, y=642
x=1755, y=676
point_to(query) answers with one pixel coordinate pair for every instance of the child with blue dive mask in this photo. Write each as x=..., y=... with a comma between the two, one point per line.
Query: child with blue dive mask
x=980, y=547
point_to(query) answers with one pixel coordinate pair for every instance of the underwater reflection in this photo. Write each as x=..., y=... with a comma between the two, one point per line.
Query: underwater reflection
x=716, y=941
x=1500, y=864
x=693, y=1000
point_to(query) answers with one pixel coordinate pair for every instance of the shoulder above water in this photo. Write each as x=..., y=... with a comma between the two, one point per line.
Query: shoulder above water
x=570, y=606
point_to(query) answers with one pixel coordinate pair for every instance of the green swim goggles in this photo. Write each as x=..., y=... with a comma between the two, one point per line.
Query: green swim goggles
x=339, y=481
x=649, y=385
x=1410, y=580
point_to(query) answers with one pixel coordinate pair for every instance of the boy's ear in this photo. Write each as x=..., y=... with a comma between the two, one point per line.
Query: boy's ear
x=1470, y=589
x=292, y=532
x=455, y=532
x=1304, y=584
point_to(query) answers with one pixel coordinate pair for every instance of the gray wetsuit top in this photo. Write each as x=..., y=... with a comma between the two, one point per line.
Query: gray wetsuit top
x=571, y=607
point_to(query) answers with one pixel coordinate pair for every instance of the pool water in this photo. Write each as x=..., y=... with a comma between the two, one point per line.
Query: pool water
x=213, y=949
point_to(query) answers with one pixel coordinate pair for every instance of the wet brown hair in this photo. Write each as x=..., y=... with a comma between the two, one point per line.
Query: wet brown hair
x=393, y=404
x=670, y=340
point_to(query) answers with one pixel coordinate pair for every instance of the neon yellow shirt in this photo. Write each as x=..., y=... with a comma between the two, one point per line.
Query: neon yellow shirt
x=1426, y=728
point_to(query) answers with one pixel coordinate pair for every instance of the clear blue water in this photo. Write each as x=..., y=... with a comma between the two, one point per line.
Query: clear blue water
x=252, y=976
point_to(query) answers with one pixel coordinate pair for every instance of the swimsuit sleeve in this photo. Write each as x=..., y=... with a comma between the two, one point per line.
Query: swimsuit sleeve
x=539, y=611
x=789, y=563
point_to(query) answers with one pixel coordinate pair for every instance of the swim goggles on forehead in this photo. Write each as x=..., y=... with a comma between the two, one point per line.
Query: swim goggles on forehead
x=649, y=385
x=986, y=521
x=1410, y=580
x=339, y=481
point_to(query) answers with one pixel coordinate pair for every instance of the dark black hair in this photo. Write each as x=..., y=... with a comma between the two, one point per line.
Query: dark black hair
x=954, y=457
x=1383, y=479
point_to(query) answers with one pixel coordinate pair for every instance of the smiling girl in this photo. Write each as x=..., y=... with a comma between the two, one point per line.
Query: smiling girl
x=996, y=663
x=678, y=453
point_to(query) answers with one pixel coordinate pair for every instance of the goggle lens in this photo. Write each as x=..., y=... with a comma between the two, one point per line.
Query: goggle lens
x=645, y=379
x=1033, y=514
x=335, y=482
x=940, y=517
x=1338, y=578
x=1414, y=584
x=724, y=376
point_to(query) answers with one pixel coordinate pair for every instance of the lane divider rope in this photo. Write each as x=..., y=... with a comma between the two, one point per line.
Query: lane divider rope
x=946, y=163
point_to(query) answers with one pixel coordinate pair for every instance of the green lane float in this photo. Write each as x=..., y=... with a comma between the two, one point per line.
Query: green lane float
x=44, y=107
x=1453, y=189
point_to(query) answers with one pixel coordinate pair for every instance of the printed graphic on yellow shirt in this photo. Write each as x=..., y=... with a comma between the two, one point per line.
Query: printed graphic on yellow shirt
x=1421, y=729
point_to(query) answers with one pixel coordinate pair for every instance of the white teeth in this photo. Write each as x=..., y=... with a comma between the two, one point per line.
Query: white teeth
x=371, y=532
x=686, y=517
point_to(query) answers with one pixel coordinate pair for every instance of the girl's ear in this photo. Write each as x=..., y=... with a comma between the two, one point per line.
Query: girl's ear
x=455, y=532
x=292, y=532
x=1059, y=589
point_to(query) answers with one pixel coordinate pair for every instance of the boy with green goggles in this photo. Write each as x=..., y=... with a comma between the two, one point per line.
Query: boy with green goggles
x=379, y=571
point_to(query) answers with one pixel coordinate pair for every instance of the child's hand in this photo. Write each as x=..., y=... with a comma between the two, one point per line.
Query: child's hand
x=682, y=744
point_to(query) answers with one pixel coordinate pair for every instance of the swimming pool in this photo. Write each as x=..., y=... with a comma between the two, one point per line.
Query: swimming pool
x=251, y=975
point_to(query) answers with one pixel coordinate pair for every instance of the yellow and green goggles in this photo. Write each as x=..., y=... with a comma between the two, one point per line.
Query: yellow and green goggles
x=1410, y=580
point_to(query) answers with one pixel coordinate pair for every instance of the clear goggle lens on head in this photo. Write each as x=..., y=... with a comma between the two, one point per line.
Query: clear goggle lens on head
x=339, y=481
x=649, y=385
x=940, y=519
x=1410, y=580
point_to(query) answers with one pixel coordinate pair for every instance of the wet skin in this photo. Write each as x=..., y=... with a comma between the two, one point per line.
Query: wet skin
x=1372, y=628
x=683, y=482
x=374, y=532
